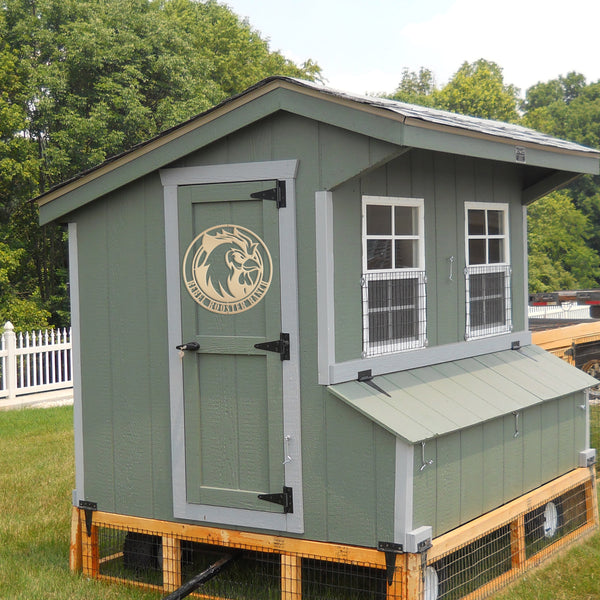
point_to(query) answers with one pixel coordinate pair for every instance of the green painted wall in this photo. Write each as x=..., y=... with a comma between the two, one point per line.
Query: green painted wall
x=480, y=468
x=123, y=359
x=445, y=183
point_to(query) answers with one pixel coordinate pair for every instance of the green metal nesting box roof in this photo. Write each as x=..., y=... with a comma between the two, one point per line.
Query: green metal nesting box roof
x=403, y=125
x=427, y=402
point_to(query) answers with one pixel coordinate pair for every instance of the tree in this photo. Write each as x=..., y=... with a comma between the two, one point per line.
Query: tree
x=559, y=257
x=478, y=89
x=416, y=87
x=83, y=80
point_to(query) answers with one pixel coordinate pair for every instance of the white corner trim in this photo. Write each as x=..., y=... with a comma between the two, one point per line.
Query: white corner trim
x=325, y=285
x=79, y=492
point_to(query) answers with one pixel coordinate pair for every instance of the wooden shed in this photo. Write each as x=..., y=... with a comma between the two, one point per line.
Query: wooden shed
x=301, y=330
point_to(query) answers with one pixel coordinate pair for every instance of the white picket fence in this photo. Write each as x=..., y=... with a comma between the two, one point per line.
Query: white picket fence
x=34, y=362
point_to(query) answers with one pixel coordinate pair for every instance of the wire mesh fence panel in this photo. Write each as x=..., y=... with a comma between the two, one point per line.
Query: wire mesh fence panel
x=130, y=555
x=330, y=580
x=250, y=573
x=551, y=521
x=470, y=567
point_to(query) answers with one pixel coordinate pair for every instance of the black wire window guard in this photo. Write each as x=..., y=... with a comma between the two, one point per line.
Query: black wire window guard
x=394, y=311
x=488, y=303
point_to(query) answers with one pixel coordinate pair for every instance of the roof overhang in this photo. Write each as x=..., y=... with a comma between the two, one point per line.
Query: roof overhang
x=432, y=401
x=403, y=125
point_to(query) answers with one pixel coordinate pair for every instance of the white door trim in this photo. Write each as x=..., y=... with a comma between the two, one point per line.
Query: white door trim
x=230, y=173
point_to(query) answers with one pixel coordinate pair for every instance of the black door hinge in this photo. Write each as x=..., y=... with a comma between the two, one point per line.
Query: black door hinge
x=281, y=346
x=285, y=499
x=277, y=194
x=88, y=508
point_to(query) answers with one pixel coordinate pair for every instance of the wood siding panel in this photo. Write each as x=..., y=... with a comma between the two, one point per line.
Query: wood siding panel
x=550, y=433
x=471, y=467
x=531, y=421
x=348, y=271
x=425, y=486
x=448, y=475
x=447, y=242
x=128, y=320
x=96, y=361
x=482, y=467
x=567, y=442
x=352, y=475
x=513, y=459
x=493, y=475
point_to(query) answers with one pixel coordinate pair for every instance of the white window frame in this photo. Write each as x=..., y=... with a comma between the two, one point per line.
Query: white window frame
x=487, y=330
x=398, y=344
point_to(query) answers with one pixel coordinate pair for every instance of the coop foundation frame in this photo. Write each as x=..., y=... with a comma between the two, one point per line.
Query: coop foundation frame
x=404, y=574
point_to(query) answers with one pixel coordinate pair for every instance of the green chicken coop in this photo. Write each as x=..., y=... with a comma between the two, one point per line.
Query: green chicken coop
x=301, y=346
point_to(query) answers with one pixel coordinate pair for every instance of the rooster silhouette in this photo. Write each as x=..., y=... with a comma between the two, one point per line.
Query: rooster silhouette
x=228, y=267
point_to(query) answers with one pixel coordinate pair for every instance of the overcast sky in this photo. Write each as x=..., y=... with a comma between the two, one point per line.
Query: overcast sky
x=363, y=45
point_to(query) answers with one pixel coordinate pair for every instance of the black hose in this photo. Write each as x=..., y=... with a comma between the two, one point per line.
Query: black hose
x=195, y=582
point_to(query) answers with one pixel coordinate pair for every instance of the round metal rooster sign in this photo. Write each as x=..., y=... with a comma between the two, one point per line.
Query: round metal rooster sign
x=227, y=269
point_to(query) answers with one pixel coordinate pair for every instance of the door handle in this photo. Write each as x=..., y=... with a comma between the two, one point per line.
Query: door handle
x=189, y=347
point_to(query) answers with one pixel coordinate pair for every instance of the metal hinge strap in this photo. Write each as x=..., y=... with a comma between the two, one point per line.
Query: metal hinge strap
x=277, y=194
x=88, y=508
x=281, y=346
x=285, y=499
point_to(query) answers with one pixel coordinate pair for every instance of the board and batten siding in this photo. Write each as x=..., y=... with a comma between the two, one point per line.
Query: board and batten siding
x=445, y=183
x=479, y=468
x=349, y=486
x=125, y=411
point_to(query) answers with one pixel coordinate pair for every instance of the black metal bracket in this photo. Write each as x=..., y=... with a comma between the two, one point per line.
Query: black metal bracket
x=277, y=194
x=285, y=499
x=281, y=346
x=391, y=550
x=367, y=377
x=88, y=508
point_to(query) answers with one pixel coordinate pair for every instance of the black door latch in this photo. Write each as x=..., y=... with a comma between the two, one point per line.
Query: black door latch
x=189, y=347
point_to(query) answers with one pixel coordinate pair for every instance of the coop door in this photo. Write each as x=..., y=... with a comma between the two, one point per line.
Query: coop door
x=233, y=354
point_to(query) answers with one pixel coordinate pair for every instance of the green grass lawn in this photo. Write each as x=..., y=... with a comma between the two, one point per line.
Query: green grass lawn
x=36, y=479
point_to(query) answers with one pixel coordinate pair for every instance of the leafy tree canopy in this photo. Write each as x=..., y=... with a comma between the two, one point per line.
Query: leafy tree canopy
x=82, y=80
x=476, y=89
x=559, y=257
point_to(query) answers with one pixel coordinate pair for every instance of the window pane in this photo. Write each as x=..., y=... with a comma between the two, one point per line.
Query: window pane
x=404, y=324
x=477, y=313
x=379, y=254
x=494, y=284
x=378, y=327
x=477, y=252
x=404, y=292
x=379, y=220
x=495, y=222
x=477, y=286
x=476, y=222
x=406, y=220
x=495, y=251
x=495, y=311
x=406, y=254
x=378, y=294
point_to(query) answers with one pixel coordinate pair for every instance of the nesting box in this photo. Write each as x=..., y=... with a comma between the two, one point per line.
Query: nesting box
x=300, y=326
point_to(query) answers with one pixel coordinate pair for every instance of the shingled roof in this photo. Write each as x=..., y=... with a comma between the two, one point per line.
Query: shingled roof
x=442, y=117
